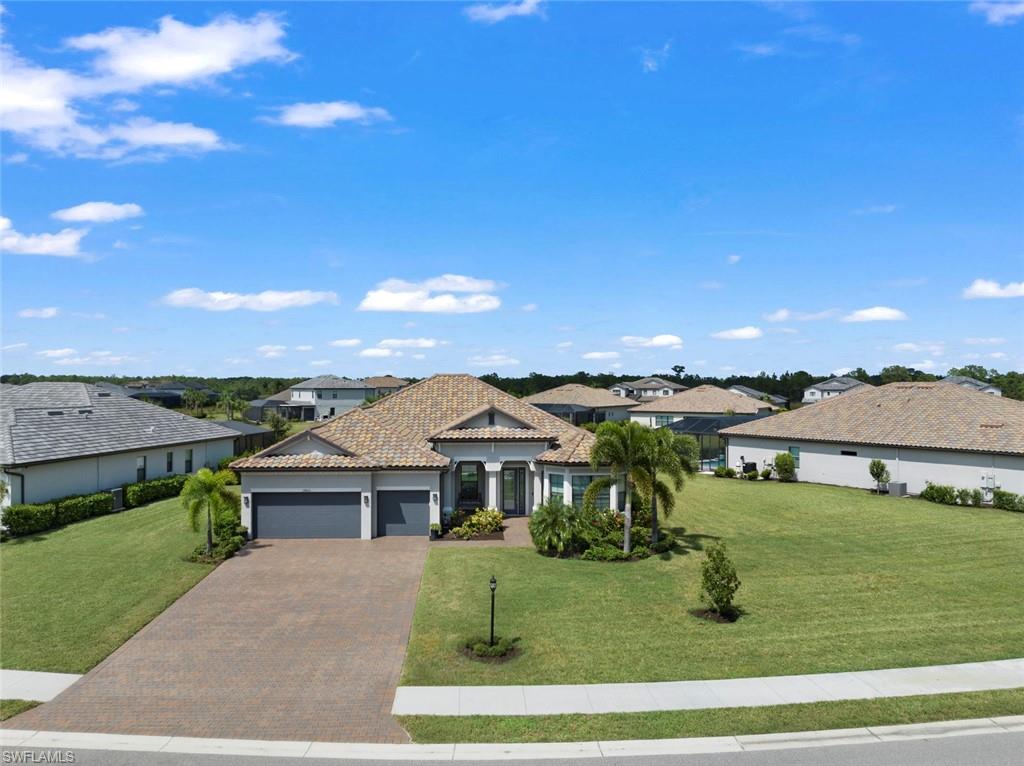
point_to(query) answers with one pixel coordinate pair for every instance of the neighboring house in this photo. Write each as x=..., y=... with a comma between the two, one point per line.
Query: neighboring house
x=646, y=389
x=831, y=388
x=973, y=383
x=382, y=385
x=261, y=409
x=925, y=432
x=705, y=429
x=580, y=404
x=761, y=396
x=702, y=400
x=169, y=393
x=323, y=397
x=250, y=437
x=392, y=468
x=60, y=439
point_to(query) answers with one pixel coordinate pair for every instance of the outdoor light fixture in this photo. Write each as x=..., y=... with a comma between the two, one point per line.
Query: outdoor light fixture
x=245, y=499
x=366, y=500
x=433, y=498
x=494, y=587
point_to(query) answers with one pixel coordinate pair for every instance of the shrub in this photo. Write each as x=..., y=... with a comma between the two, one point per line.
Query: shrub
x=976, y=497
x=27, y=519
x=718, y=579
x=480, y=647
x=484, y=521
x=963, y=497
x=750, y=475
x=939, y=493
x=605, y=552
x=557, y=529
x=144, y=492
x=720, y=471
x=785, y=467
x=879, y=472
x=71, y=509
x=1007, y=501
x=666, y=542
x=730, y=473
x=766, y=474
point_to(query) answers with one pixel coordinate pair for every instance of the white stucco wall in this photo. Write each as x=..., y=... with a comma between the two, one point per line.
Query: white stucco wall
x=824, y=463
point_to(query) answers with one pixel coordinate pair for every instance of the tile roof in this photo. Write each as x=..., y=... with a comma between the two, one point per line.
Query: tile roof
x=395, y=432
x=651, y=382
x=710, y=399
x=43, y=422
x=243, y=428
x=755, y=394
x=840, y=383
x=385, y=381
x=578, y=394
x=493, y=433
x=968, y=382
x=924, y=415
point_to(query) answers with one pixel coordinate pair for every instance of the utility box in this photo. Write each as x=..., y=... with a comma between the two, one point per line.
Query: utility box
x=118, y=495
x=897, y=489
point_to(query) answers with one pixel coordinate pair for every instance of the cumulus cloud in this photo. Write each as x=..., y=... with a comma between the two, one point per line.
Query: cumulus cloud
x=739, y=333
x=656, y=341
x=411, y=343
x=733, y=259
x=784, y=314
x=601, y=355
x=379, y=353
x=56, y=353
x=345, y=342
x=320, y=363
x=446, y=294
x=66, y=243
x=529, y=307
x=303, y=348
x=325, y=114
x=989, y=288
x=98, y=212
x=780, y=315
x=875, y=314
x=932, y=348
x=270, y=351
x=653, y=59
x=268, y=300
x=48, y=312
x=486, y=13
x=493, y=360
x=999, y=14
x=984, y=341
x=564, y=344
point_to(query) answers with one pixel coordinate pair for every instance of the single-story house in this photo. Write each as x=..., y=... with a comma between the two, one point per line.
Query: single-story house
x=705, y=429
x=324, y=397
x=579, y=404
x=925, y=432
x=973, y=383
x=753, y=393
x=701, y=400
x=169, y=393
x=61, y=439
x=831, y=388
x=261, y=409
x=250, y=437
x=646, y=389
x=395, y=466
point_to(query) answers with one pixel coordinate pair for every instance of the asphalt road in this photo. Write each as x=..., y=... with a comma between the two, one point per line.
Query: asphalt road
x=976, y=750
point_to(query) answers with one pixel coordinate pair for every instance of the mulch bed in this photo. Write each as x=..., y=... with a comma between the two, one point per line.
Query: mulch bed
x=490, y=536
x=712, y=616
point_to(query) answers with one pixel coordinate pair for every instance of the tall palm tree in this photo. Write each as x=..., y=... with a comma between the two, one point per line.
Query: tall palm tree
x=233, y=406
x=667, y=456
x=208, y=491
x=620, y=446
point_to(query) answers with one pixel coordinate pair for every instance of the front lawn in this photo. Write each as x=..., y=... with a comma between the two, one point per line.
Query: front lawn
x=834, y=579
x=71, y=596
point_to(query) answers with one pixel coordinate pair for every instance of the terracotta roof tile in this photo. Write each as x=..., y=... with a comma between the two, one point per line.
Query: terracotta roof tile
x=709, y=399
x=580, y=395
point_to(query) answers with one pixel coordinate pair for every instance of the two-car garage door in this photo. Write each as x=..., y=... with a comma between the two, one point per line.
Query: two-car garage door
x=337, y=514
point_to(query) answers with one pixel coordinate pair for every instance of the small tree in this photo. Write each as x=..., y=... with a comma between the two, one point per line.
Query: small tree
x=718, y=579
x=234, y=407
x=880, y=473
x=278, y=425
x=193, y=399
x=785, y=467
x=208, y=492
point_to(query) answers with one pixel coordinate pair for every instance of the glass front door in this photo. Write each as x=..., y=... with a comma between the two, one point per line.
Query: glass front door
x=513, y=491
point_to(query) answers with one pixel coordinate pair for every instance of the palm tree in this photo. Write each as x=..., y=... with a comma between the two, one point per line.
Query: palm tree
x=233, y=406
x=667, y=455
x=620, y=446
x=208, y=491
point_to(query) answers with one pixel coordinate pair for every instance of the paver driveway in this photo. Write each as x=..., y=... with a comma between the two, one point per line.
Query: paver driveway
x=292, y=639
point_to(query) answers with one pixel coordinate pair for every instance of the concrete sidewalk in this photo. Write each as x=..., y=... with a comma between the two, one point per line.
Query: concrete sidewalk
x=33, y=685
x=694, y=695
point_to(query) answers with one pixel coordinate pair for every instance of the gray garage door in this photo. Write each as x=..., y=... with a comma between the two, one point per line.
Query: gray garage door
x=306, y=514
x=403, y=512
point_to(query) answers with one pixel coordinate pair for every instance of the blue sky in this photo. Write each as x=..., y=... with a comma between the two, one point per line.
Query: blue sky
x=292, y=189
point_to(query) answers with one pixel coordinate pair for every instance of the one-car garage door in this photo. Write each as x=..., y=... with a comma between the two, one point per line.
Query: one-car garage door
x=306, y=514
x=403, y=512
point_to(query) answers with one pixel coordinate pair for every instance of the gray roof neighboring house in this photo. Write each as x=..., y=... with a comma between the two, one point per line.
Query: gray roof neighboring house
x=246, y=429
x=972, y=383
x=753, y=393
x=44, y=422
x=840, y=383
x=650, y=382
x=331, y=381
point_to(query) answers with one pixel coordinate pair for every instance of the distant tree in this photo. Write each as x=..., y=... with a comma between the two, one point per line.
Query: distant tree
x=895, y=374
x=278, y=425
x=679, y=370
x=194, y=399
x=859, y=374
x=975, y=371
x=879, y=472
x=234, y=407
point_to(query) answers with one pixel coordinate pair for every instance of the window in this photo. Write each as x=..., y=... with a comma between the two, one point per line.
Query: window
x=319, y=394
x=334, y=394
x=662, y=420
x=490, y=418
x=579, y=487
x=188, y=461
x=469, y=483
x=140, y=468
x=170, y=461
x=665, y=392
x=795, y=452
x=557, y=481
x=848, y=452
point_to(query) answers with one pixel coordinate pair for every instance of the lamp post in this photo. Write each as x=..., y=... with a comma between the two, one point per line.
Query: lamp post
x=494, y=587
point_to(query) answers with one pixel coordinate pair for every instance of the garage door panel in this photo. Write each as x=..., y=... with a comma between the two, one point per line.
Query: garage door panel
x=307, y=515
x=403, y=512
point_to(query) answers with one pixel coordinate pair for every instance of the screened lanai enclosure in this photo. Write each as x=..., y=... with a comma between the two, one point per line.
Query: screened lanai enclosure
x=705, y=428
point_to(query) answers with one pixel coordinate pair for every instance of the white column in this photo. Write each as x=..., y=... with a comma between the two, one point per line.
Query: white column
x=567, y=488
x=247, y=511
x=368, y=514
x=538, y=487
x=435, y=500
x=613, y=495
x=492, y=500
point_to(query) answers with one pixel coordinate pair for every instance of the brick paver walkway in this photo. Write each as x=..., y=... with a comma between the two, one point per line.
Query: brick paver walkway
x=290, y=640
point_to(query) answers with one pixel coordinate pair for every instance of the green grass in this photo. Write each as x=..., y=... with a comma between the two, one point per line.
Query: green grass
x=714, y=723
x=71, y=596
x=834, y=579
x=11, y=708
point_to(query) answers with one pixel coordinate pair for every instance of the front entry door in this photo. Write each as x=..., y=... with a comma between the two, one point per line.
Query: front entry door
x=513, y=491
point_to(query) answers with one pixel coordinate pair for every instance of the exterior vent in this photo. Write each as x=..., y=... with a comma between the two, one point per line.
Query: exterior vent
x=55, y=412
x=85, y=412
x=103, y=394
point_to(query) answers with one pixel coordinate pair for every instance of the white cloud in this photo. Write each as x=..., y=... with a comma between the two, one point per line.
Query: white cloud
x=780, y=315
x=875, y=210
x=268, y=300
x=984, y=341
x=13, y=347
x=65, y=243
x=98, y=212
x=303, y=348
x=616, y=365
x=98, y=315
x=925, y=364
x=419, y=356
x=601, y=355
x=761, y=50
x=95, y=359
x=493, y=360
x=733, y=259
x=819, y=33
x=988, y=288
x=485, y=13
x=739, y=333
x=875, y=314
x=839, y=371
x=325, y=114
x=710, y=284
x=931, y=348
x=320, y=363
x=998, y=355
x=379, y=353
x=564, y=344
x=44, y=313
x=56, y=353
x=529, y=307
x=784, y=314
x=652, y=59
x=236, y=360
x=270, y=351
x=656, y=341
x=411, y=343
x=345, y=342
x=18, y=158
x=436, y=295
x=999, y=13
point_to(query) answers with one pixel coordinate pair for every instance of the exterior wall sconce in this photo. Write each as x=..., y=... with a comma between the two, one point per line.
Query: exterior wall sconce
x=433, y=498
x=366, y=500
x=245, y=500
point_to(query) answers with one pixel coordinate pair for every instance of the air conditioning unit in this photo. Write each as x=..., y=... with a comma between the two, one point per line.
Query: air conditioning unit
x=118, y=495
x=897, y=489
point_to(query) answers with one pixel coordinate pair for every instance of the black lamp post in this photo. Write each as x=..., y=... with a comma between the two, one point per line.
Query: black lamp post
x=494, y=587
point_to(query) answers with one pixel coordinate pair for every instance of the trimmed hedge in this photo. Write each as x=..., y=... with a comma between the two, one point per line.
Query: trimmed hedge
x=29, y=518
x=1007, y=501
x=72, y=509
x=144, y=492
